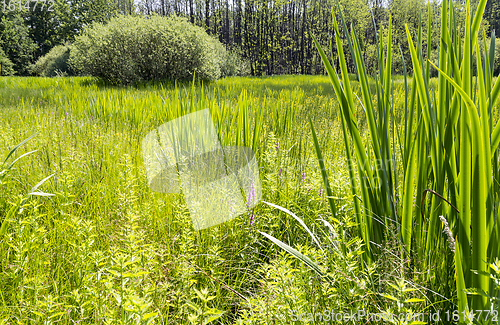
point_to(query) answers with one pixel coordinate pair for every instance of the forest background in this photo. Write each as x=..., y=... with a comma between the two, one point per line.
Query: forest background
x=274, y=37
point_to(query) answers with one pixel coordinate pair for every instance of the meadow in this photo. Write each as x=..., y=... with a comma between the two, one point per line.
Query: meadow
x=105, y=248
x=380, y=197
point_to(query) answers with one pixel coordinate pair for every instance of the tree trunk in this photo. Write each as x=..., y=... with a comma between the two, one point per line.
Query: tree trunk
x=302, y=39
x=207, y=15
x=237, y=24
x=191, y=12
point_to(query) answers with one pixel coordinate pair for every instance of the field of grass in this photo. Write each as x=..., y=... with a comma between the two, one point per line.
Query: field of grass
x=104, y=248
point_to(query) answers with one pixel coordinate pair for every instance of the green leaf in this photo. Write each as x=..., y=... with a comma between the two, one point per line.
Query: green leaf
x=17, y=147
x=212, y=318
x=195, y=307
x=299, y=220
x=459, y=275
x=149, y=315
x=389, y=297
x=40, y=183
x=304, y=259
x=41, y=194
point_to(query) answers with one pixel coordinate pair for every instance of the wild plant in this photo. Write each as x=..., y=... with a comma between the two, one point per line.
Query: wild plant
x=446, y=151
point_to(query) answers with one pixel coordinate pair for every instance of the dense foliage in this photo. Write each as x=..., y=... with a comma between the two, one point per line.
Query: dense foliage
x=6, y=65
x=492, y=15
x=385, y=198
x=456, y=140
x=496, y=66
x=54, y=63
x=231, y=61
x=275, y=37
x=130, y=49
x=106, y=248
x=15, y=41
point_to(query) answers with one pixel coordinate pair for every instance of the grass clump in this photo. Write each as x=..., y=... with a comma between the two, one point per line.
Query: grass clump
x=105, y=248
x=446, y=146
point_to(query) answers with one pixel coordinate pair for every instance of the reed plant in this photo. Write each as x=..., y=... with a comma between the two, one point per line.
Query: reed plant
x=438, y=169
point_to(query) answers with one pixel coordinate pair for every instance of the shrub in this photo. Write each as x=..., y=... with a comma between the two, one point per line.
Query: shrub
x=6, y=65
x=133, y=49
x=231, y=61
x=54, y=63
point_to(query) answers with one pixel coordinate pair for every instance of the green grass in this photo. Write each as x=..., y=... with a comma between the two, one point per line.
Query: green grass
x=447, y=146
x=104, y=248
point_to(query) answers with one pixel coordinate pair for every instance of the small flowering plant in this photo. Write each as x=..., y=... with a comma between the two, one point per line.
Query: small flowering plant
x=250, y=199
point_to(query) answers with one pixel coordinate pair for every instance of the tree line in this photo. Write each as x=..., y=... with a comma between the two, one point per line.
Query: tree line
x=275, y=36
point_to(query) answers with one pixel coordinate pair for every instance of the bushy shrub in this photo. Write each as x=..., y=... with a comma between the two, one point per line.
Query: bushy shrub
x=6, y=65
x=231, y=61
x=131, y=49
x=54, y=63
x=371, y=59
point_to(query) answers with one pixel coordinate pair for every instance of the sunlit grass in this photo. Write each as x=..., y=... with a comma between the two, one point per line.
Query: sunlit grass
x=432, y=176
x=105, y=248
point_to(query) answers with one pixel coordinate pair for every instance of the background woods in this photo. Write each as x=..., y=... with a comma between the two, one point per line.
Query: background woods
x=274, y=36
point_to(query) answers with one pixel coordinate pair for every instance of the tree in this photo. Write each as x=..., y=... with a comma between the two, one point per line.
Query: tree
x=6, y=65
x=406, y=13
x=73, y=16
x=274, y=35
x=15, y=41
x=357, y=15
x=492, y=15
x=42, y=26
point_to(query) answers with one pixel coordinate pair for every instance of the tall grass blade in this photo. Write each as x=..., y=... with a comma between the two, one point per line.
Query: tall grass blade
x=17, y=147
x=324, y=174
x=301, y=257
x=313, y=237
